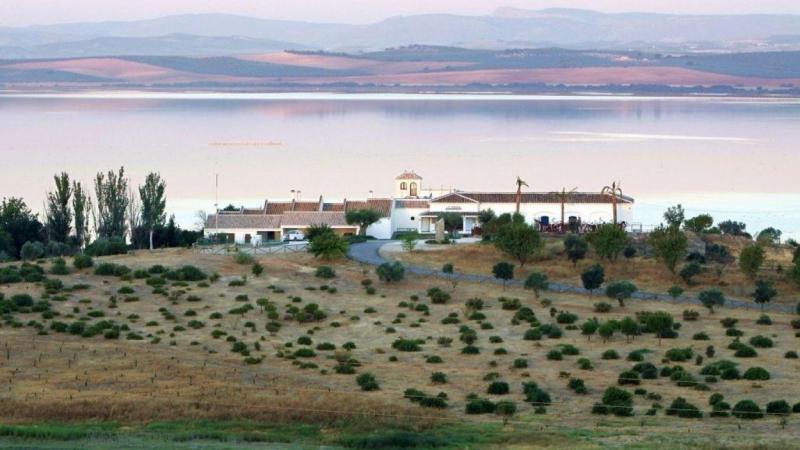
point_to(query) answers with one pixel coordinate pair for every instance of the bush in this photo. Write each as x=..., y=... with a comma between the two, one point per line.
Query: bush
x=243, y=258
x=747, y=409
x=480, y=406
x=780, y=407
x=406, y=345
x=615, y=401
x=681, y=408
x=761, y=342
x=610, y=354
x=602, y=307
x=554, y=355
x=756, y=373
x=328, y=245
x=325, y=272
x=186, y=273
x=628, y=377
x=367, y=382
x=438, y=296
x=744, y=351
x=31, y=251
x=438, y=378
x=106, y=247
x=791, y=354
x=679, y=354
x=111, y=270
x=391, y=272
x=535, y=395
x=577, y=385
x=498, y=388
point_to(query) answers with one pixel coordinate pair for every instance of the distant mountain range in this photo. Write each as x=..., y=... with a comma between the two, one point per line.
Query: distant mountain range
x=220, y=34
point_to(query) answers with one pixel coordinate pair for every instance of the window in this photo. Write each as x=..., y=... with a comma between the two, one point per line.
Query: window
x=412, y=217
x=403, y=186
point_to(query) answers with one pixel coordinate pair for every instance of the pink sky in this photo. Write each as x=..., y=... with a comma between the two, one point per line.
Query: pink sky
x=28, y=12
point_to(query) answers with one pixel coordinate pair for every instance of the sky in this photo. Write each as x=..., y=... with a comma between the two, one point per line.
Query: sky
x=30, y=12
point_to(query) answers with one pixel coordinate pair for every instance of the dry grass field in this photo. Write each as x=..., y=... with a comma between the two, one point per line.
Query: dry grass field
x=173, y=361
x=646, y=272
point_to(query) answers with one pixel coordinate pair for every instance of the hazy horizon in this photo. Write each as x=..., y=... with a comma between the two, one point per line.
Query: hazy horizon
x=47, y=12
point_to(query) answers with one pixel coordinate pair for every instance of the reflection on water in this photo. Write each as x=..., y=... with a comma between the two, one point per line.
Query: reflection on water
x=663, y=149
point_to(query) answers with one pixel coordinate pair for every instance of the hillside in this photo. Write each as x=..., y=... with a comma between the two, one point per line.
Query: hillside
x=425, y=68
x=158, y=336
x=507, y=28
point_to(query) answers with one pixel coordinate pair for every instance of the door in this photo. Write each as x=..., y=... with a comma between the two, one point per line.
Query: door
x=412, y=192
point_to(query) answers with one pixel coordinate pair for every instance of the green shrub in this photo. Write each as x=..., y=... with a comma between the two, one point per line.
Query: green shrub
x=82, y=262
x=682, y=408
x=106, y=247
x=756, y=373
x=406, y=345
x=780, y=407
x=367, y=382
x=31, y=251
x=325, y=272
x=761, y=342
x=747, y=409
x=438, y=378
x=679, y=354
x=498, y=388
x=615, y=401
x=554, y=355
x=480, y=406
x=628, y=377
x=610, y=354
x=111, y=270
x=438, y=296
x=243, y=258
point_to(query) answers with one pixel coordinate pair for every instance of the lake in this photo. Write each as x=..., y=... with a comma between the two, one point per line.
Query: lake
x=733, y=158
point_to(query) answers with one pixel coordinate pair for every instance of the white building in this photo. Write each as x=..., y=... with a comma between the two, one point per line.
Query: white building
x=414, y=207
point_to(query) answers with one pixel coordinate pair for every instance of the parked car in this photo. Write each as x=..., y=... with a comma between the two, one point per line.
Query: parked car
x=294, y=235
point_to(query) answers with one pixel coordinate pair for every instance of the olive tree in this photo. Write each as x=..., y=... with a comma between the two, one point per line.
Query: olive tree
x=621, y=291
x=593, y=278
x=669, y=245
x=519, y=241
x=537, y=282
x=503, y=271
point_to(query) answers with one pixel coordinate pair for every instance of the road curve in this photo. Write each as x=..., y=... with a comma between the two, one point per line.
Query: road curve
x=369, y=253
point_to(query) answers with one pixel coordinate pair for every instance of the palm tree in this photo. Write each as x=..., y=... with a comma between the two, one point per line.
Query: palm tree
x=615, y=191
x=520, y=183
x=565, y=197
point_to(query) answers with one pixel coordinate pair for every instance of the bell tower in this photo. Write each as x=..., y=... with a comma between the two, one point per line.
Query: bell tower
x=407, y=185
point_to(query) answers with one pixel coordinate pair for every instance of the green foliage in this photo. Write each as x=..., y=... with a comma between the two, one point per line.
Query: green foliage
x=674, y=216
x=537, y=282
x=751, y=259
x=669, y=245
x=608, y=241
x=367, y=382
x=779, y=407
x=756, y=374
x=675, y=292
x=257, y=269
x=764, y=293
x=105, y=246
x=699, y=224
x=659, y=322
x=363, y=218
x=31, y=250
x=438, y=296
x=406, y=345
x=593, y=277
x=575, y=247
x=111, y=269
x=621, y=291
x=391, y=272
x=682, y=408
x=711, y=298
x=689, y=271
x=328, y=245
x=325, y=272
x=409, y=241
x=519, y=241
x=747, y=409
x=616, y=401
x=503, y=271
x=498, y=388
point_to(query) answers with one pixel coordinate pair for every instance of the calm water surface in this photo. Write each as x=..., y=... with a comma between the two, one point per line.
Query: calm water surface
x=733, y=158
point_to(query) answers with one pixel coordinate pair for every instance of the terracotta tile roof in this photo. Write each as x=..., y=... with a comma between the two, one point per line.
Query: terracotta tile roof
x=306, y=206
x=333, y=207
x=278, y=207
x=527, y=197
x=408, y=175
x=261, y=222
x=382, y=205
x=412, y=204
x=304, y=219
